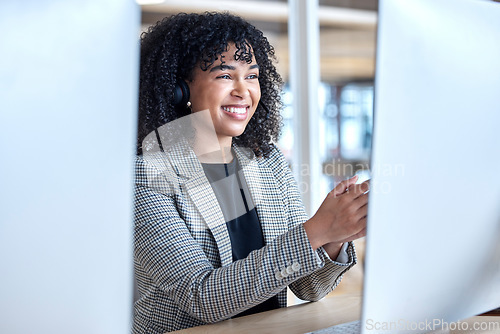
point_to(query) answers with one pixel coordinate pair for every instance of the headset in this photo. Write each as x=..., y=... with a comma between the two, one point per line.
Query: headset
x=181, y=93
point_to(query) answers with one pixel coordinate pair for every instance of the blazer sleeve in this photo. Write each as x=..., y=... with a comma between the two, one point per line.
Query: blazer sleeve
x=173, y=264
x=319, y=283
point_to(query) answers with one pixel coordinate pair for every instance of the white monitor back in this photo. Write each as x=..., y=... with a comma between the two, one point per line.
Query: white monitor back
x=68, y=109
x=433, y=244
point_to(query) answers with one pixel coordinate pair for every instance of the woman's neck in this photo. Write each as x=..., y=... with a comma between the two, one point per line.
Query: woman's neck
x=221, y=153
x=209, y=146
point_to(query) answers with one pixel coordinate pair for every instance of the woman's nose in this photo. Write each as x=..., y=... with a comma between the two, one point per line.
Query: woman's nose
x=240, y=88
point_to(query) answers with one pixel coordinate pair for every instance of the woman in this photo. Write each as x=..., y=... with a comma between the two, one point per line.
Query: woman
x=220, y=230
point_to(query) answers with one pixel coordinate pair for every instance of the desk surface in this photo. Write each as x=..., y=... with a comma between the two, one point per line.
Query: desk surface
x=300, y=318
x=309, y=317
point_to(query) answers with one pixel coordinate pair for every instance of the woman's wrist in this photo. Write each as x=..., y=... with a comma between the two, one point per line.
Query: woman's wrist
x=314, y=233
x=333, y=249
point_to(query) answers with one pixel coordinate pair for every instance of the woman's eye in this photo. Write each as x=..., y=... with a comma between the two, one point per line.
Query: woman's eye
x=224, y=76
x=253, y=76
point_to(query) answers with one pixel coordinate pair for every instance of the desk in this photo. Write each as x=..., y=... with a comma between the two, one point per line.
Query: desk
x=309, y=317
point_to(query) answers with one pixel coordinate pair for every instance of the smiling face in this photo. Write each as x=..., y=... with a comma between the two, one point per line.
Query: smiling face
x=230, y=91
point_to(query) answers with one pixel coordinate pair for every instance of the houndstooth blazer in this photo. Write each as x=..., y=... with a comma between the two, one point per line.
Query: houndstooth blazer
x=182, y=251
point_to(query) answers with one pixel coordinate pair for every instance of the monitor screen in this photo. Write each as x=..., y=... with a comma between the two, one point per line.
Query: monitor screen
x=68, y=110
x=433, y=243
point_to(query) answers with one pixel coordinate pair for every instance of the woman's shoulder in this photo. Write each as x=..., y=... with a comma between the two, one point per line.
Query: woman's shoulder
x=275, y=157
x=150, y=164
x=274, y=161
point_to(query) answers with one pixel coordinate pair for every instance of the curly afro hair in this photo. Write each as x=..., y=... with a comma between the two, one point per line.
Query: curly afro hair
x=172, y=48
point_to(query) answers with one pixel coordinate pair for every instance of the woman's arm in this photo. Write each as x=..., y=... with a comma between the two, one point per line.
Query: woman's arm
x=319, y=283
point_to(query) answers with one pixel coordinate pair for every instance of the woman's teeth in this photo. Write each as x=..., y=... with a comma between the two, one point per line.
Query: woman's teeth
x=235, y=110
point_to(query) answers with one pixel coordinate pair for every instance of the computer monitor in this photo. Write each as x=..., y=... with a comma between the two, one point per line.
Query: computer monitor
x=68, y=110
x=433, y=242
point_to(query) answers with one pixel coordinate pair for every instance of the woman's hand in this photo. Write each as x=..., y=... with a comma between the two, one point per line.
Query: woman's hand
x=341, y=217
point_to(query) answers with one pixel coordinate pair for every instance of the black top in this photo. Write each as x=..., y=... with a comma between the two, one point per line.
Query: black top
x=243, y=225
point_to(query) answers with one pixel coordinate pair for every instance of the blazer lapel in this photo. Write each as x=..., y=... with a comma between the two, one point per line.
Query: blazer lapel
x=265, y=194
x=189, y=169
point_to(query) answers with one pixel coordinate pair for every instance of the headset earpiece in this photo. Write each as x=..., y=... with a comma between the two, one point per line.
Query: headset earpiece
x=181, y=93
